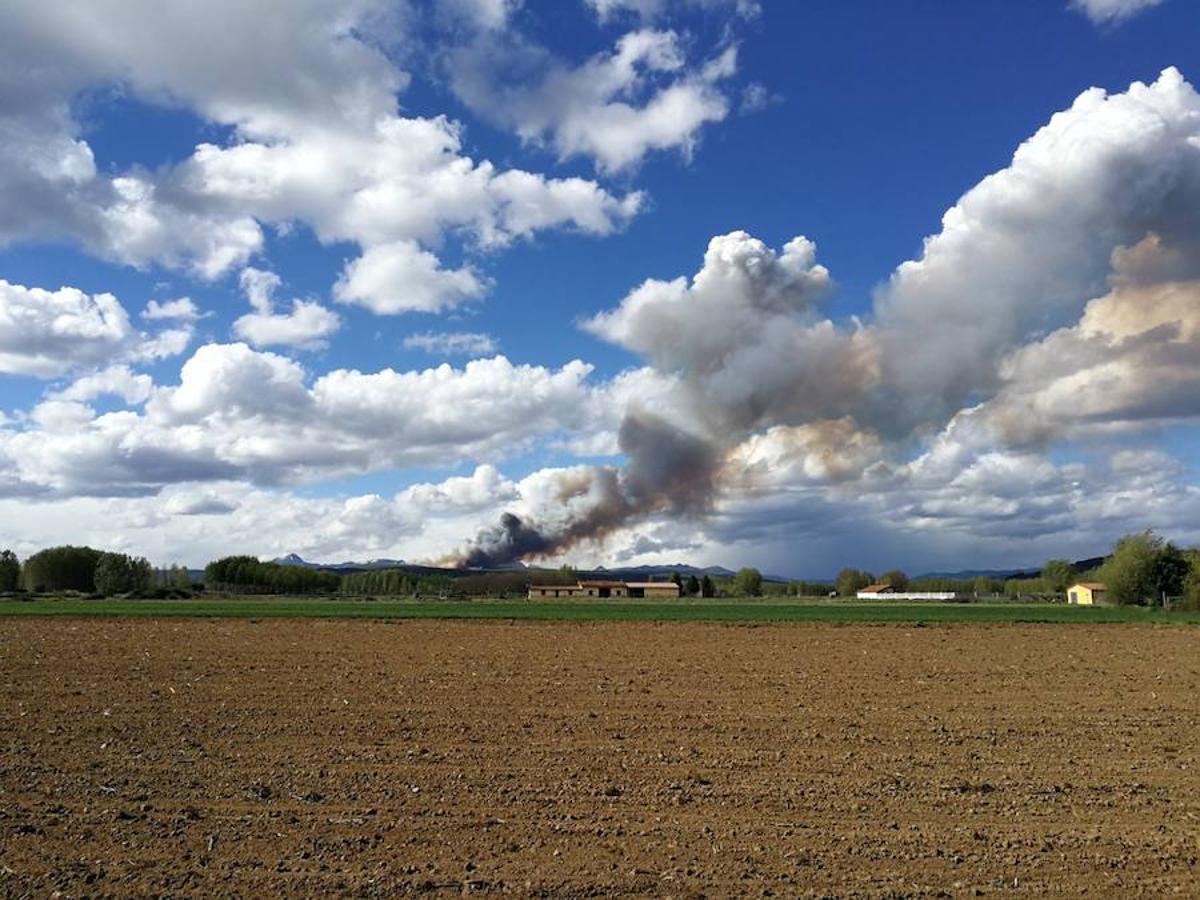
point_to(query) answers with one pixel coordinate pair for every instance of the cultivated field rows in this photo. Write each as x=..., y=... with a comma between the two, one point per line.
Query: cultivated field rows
x=241, y=757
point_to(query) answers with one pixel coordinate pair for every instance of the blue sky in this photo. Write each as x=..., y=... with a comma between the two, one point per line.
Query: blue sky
x=424, y=184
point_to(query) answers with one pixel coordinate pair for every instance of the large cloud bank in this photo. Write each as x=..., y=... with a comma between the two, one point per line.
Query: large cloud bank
x=329, y=150
x=1059, y=300
x=1058, y=304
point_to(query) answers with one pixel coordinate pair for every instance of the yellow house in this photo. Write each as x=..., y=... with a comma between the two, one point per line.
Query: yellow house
x=1087, y=593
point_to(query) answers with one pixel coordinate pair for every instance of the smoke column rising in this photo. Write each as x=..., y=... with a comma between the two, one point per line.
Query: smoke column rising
x=667, y=470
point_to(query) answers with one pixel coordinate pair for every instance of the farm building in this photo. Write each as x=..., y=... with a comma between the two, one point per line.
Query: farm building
x=603, y=589
x=1087, y=593
x=667, y=590
x=580, y=589
x=872, y=591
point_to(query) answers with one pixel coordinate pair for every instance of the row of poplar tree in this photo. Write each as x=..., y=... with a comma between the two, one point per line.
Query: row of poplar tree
x=86, y=570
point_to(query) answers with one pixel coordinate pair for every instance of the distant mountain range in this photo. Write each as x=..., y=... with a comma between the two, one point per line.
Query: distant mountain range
x=964, y=574
x=294, y=559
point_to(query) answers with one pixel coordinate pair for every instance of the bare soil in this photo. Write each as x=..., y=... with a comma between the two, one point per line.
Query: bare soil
x=242, y=758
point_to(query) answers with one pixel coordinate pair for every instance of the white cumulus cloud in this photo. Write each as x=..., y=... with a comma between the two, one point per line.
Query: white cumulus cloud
x=1029, y=246
x=308, y=325
x=238, y=413
x=182, y=309
x=401, y=277
x=49, y=333
x=119, y=381
x=615, y=108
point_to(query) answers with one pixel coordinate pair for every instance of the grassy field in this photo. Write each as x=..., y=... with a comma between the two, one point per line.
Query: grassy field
x=647, y=611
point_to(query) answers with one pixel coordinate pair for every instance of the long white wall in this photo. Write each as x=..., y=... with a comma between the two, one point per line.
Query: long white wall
x=912, y=595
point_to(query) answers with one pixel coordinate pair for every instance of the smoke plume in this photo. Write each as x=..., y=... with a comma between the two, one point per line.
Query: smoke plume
x=667, y=471
x=742, y=348
x=1060, y=297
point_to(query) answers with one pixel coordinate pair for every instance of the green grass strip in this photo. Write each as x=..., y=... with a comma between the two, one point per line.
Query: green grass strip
x=746, y=611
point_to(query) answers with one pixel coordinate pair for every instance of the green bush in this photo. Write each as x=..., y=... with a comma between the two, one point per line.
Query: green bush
x=1144, y=568
x=62, y=569
x=748, y=583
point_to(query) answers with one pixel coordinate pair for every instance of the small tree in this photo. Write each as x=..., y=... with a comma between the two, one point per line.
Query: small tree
x=1058, y=575
x=10, y=571
x=1131, y=571
x=748, y=583
x=896, y=578
x=707, y=587
x=117, y=573
x=180, y=578
x=1171, y=571
x=692, y=588
x=851, y=581
x=112, y=573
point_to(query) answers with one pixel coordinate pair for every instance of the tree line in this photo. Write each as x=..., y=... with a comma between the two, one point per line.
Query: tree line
x=399, y=583
x=86, y=570
x=248, y=574
x=1141, y=569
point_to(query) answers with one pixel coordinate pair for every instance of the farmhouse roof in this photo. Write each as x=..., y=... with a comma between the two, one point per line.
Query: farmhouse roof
x=602, y=584
x=1093, y=585
x=882, y=588
x=651, y=584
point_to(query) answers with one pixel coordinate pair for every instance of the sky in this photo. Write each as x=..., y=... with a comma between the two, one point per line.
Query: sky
x=799, y=285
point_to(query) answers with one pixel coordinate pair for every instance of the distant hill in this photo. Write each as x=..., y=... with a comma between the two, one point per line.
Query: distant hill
x=294, y=559
x=964, y=574
x=1081, y=566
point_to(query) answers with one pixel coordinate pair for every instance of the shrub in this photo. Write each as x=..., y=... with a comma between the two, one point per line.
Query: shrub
x=62, y=569
x=748, y=583
x=1142, y=568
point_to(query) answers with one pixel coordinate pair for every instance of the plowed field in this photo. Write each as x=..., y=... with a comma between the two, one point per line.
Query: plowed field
x=220, y=757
